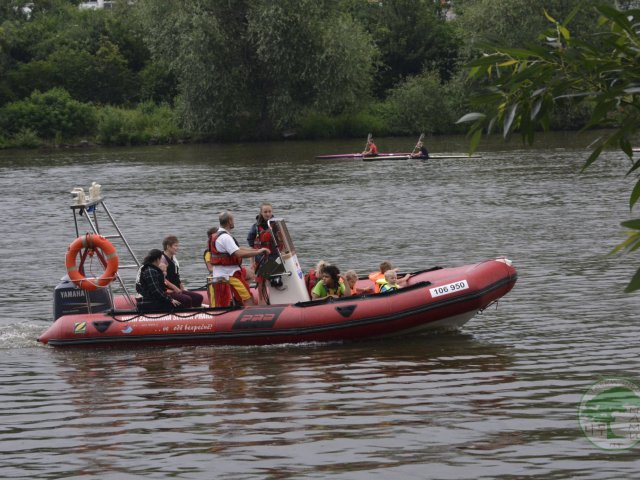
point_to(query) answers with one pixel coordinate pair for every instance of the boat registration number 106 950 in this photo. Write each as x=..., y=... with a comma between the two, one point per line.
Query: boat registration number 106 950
x=450, y=288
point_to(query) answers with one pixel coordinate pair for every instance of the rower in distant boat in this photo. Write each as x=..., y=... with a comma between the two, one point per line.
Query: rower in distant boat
x=371, y=150
x=422, y=152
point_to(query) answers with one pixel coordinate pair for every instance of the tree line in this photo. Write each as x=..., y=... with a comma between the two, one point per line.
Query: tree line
x=215, y=70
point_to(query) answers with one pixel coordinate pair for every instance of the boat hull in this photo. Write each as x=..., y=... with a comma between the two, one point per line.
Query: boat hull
x=393, y=156
x=359, y=155
x=409, y=157
x=441, y=299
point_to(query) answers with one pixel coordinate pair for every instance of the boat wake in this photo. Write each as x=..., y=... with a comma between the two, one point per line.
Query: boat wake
x=19, y=335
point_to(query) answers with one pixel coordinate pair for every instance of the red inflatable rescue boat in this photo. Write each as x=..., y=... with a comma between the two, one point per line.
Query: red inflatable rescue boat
x=441, y=299
x=434, y=299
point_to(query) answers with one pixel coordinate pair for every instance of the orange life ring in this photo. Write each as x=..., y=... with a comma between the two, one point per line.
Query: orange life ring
x=109, y=259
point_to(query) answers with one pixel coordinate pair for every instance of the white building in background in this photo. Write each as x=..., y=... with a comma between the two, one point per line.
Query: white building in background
x=97, y=4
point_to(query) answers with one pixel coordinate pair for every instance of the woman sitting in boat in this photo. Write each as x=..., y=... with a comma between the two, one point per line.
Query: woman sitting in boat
x=186, y=298
x=330, y=285
x=390, y=282
x=170, y=287
x=371, y=150
x=150, y=285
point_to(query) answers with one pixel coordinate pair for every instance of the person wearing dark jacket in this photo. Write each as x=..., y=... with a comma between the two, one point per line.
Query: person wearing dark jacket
x=422, y=152
x=150, y=285
x=186, y=298
x=259, y=236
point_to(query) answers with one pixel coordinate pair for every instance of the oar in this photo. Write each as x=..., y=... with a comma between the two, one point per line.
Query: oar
x=417, y=143
x=366, y=145
x=368, y=141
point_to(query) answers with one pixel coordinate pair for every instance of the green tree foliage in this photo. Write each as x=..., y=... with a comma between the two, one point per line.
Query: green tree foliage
x=251, y=67
x=94, y=55
x=309, y=59
x=25, y=9
x=203, y=45
x=145, y=124
x=5, y=90
x=412, y=35
x=514, y=23
x=418, y=105
x=157, y=83
x=51, y=114
x=602, y=70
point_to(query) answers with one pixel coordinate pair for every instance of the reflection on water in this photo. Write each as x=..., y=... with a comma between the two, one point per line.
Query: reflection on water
x=498, y=399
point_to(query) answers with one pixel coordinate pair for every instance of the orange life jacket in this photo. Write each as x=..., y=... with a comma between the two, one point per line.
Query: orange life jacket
x=374, y=277
x=222, y=258
x=310, y=279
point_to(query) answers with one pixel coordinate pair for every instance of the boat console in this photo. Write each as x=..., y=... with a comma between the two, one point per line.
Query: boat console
x=286, y=283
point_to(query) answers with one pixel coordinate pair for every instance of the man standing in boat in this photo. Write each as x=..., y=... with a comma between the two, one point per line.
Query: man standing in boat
x=226, y=258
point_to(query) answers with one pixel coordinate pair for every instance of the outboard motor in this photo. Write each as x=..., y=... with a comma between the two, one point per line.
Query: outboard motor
x=68, y=299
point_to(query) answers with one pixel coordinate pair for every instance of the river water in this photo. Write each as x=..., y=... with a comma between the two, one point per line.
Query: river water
x=498, y=399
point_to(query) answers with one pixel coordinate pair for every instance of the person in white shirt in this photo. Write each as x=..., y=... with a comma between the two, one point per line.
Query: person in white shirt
x=226, y=259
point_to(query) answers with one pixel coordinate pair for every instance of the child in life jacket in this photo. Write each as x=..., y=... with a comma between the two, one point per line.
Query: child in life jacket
x=389, y=282
x=384, y=267
x=313, y=276
x=352, y=279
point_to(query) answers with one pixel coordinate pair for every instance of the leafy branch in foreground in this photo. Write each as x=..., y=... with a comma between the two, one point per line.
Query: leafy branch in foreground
x=603, y=71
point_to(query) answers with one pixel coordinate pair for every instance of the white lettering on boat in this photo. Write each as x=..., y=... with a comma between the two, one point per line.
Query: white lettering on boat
x=162, y=318
x=72, y=294
x=192, y=328
x=450, y=288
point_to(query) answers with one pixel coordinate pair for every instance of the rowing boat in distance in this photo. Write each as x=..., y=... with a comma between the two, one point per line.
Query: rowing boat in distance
x=393, y=156
x=359, y=155
x=397, y=155
x=379, y=158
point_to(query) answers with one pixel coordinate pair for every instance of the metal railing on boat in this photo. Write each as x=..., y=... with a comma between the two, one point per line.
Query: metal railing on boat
x=88, y=208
